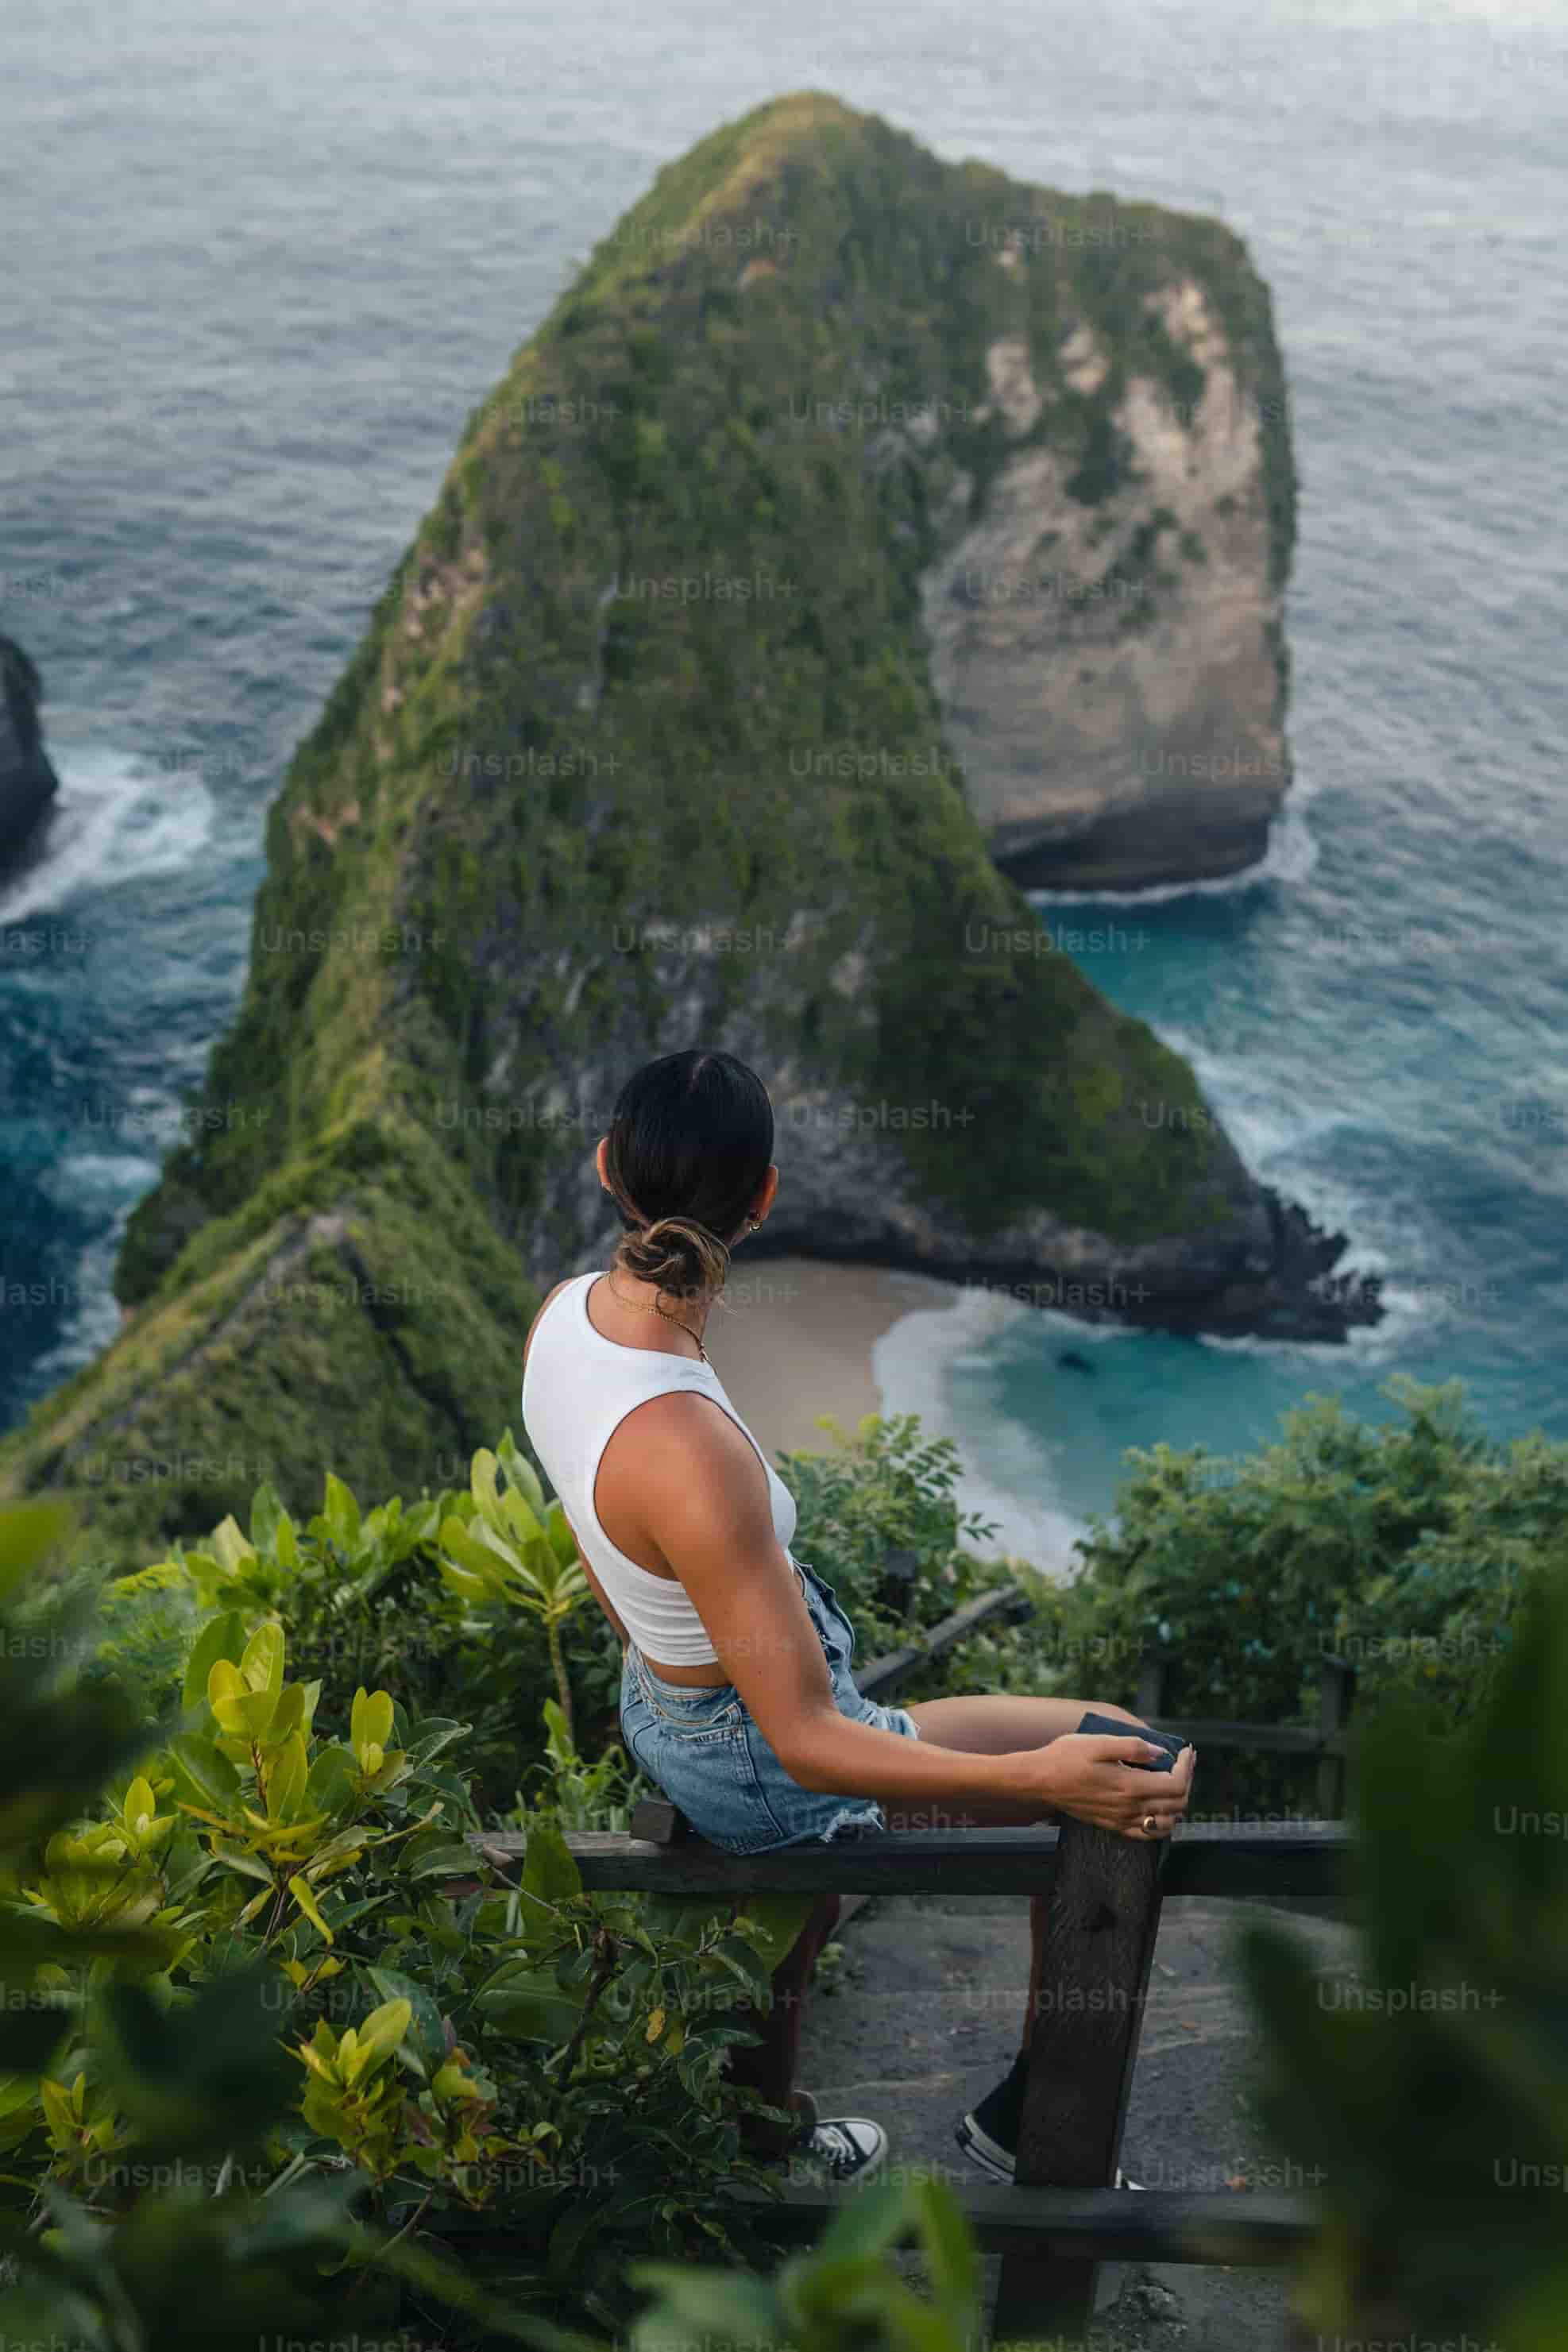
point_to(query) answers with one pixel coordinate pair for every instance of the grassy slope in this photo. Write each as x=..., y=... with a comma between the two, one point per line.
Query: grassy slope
x=674, y=446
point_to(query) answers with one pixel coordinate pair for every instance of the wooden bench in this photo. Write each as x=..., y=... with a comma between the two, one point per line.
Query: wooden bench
x=1063, y=2217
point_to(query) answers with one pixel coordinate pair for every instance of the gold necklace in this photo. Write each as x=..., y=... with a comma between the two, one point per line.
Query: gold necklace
x=638, y=1307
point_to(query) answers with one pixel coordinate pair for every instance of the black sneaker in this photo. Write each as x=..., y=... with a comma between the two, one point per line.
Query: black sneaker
x=842, y=2149
x=988, y=2134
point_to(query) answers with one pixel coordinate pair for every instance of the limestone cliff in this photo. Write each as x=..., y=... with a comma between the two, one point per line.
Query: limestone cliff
x=642, y=749
x=27, y=782
x=1108, y=651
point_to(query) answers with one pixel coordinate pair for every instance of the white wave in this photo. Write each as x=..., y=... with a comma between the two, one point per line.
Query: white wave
x=1265, y=1122
x=1289, y=857
x=1274, y=1133
x=1408, y=1316
x=1007, y=1475
x=118, y=818
x=1068, y=1328
x=102, y=1171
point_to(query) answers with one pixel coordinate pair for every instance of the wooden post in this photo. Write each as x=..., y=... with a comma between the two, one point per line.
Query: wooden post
x=900, y=1568
x=1334, y=1700
x=1101, y=1922
x=1150, y=1702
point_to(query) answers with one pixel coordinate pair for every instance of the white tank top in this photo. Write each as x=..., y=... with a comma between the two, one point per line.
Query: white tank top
x=577, y=1389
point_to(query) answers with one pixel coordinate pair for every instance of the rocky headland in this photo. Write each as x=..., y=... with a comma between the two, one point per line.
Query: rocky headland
x=655, y=739
x=27, y=782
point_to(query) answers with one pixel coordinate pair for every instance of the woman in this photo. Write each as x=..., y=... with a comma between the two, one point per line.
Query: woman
x=736, y=1696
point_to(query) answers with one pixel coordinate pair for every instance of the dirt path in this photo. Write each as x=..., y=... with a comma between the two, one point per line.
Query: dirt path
x=922, y=2016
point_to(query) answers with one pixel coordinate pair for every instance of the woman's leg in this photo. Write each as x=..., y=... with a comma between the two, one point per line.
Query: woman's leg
x=993, y=1724
x=997, y=1723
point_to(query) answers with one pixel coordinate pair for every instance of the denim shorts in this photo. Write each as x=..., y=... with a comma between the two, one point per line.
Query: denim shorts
x=702, y=1747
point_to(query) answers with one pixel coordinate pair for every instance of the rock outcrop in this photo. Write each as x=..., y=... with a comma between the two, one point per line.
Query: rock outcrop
x=642, y=749
x=27, y=783
x=1108, y=651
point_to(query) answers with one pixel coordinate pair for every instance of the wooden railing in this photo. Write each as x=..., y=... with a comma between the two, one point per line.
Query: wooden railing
x=1063, y=2217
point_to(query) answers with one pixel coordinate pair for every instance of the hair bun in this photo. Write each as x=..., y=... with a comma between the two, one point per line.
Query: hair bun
x=683, y=1258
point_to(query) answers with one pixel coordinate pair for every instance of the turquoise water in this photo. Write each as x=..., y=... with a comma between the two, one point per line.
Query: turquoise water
x=260, y=266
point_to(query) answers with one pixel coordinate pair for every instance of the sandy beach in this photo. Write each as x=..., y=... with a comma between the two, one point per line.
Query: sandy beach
x=795, y=1336
x=799, y=1338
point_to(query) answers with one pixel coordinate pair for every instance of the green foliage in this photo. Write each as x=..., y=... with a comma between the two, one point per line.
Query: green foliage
x=878, y=1519
x=368, y=1597
x=510, y=1552
x=267, y=2011
x=91, y=1922
x=1402, y=1546
x=843, y=2291
x=1426, y=2093
x=266, y=2008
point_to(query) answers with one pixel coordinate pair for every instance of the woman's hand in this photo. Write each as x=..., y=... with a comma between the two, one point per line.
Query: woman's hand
x=1087, y=1775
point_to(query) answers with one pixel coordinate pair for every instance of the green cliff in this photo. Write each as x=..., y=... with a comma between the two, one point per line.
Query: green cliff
x=642, y=749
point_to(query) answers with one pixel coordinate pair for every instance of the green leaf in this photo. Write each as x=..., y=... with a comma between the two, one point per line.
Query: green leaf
x=208, y=2071
x=521, y=1475
x=287, y=1775
x=428, y=2031
x=482, y=1481
x=28, y=1533
x=296, y=1705
x=382, y=2032
x=265, y=1513
x=247, y=1865
x=527, y=2005
x=550, y=1868
x=1536, y=2312
x=714, y=2305
x=779, y=1919
x=340, y=1513
x=230, y=1547
x=333, y=1784
x=261, y=1661
x=212, y=1779
x=220, y=1637
x=953, y=2257
x=242, y=1713
x=448, y=1860
x=435, y=1732
x=870, y=2222
x=370, y=1721
x=300, y=1890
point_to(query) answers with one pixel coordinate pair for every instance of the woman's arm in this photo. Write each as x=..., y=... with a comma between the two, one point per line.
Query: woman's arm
x=704, y=1501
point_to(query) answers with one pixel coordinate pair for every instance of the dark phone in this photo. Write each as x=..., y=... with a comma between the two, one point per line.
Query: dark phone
x=1111, y=1727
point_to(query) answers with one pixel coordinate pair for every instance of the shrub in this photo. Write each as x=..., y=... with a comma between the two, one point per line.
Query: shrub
x=1427, y=2094
x=274, y=1954
x=376, y=1597
x=879, y=1522
x=1403, y=1546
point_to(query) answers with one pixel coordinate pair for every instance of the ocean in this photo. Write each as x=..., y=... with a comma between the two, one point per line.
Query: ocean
x=260, y=266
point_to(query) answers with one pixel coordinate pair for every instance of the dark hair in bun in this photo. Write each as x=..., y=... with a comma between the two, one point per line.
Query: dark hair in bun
x=690, y=1143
